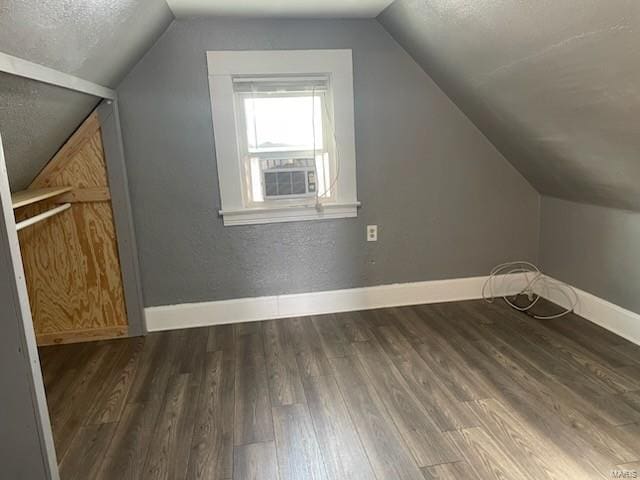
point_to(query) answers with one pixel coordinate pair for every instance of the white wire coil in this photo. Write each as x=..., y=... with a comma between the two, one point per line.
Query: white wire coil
x=535, y=281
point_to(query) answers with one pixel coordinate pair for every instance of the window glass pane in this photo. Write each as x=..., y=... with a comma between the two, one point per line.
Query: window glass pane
x=283, y=123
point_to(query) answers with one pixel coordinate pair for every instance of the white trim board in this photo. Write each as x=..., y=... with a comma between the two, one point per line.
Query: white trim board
x=189, y=315
x=226, y=67
x=609, y=316
x=34, y=71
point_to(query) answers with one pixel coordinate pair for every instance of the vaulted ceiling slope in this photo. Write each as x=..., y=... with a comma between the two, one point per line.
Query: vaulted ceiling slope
x=97, y=40
x=278, y=8
x=554, y=84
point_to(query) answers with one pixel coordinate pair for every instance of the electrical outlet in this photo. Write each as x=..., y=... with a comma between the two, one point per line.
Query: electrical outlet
x=372, y=233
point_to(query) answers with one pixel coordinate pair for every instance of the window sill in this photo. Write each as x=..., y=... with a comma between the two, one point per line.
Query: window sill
x=254, y=216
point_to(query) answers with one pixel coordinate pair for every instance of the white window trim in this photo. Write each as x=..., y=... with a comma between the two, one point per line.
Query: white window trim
x=222, y=66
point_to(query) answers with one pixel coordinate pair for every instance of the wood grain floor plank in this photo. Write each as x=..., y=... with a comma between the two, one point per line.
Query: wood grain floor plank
x=630, y=434
x=220, y=338
x=632, y=468
x=420, y=433
x=255, y=462
x=341, y=448
x=632, y=399
x=516, y=389
x=111, y=401
x=540, y=457
x=521, y=398
x=297, y=448
x=156, y=366
x=312, y=361
x=125, y=457
x=591, y=340
x=450, y=471
x=56, y=360
x=253, y=419
x=353, y=326
x=571, y=408
x=631, y=371
x=629, y=350
x=212, y=444
x=482, y=453
x=385, y=448
x=333, y=339
x=67, y=415
x=565, y=406
x=192, y=357
x=443, y=408
x=170, y=444
x=567, y=379
x=247, y=328
x=285, y=384
x=566, y=352
x=459, y=376
x=249, y=350
x=86, y=453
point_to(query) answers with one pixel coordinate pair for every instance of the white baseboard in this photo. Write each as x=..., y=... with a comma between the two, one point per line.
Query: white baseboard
x=188, y=315
x=597, y=310
x=610, y=316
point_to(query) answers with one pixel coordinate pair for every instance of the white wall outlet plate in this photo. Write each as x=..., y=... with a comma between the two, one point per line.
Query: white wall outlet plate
x=372, y=233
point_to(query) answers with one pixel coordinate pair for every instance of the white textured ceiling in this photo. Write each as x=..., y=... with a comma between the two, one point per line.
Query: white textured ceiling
x=279, y=8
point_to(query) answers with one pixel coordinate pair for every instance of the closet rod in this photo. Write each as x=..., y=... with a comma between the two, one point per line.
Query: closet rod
x=43, y=216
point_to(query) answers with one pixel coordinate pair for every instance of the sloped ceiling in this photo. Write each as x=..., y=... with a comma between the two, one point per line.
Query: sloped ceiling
x=279, y=8
x=554, y=84
x=97, y=40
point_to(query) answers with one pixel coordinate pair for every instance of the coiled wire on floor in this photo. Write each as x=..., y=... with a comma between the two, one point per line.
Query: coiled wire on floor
x=534, y=281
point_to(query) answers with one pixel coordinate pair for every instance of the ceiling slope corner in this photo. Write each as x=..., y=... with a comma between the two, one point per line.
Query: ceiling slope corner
x=392, y=25
x=553, y=91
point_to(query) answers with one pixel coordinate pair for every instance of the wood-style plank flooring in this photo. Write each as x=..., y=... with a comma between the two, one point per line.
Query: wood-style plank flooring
x=464, y=390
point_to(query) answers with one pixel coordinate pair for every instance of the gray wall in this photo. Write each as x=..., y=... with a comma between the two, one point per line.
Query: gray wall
x=26, y=442
x=35, y=121
x=553, y=84
x=98, y=40
x=593, y=248
x=447, y=203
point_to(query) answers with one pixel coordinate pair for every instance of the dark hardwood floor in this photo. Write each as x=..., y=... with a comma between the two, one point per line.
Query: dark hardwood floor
x=464, y=390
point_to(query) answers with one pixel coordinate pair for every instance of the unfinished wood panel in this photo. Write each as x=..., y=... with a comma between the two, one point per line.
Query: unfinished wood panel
x=27, y=197
x=85, y=195
x=71, y=260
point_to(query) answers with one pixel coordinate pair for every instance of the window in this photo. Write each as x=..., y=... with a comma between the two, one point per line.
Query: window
x=284, y=131
x=283, y=126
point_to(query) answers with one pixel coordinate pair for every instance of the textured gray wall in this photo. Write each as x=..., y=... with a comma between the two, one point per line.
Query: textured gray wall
x=553, y=84
x=98, y=40
x=448, y=204
x=593, y=248
x=21, y=454
x=35, y=120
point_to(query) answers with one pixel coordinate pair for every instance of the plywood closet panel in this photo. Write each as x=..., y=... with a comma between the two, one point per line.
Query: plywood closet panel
x=71, y=260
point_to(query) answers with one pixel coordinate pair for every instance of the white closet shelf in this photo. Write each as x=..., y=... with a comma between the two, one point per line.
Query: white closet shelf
x=28, y=197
